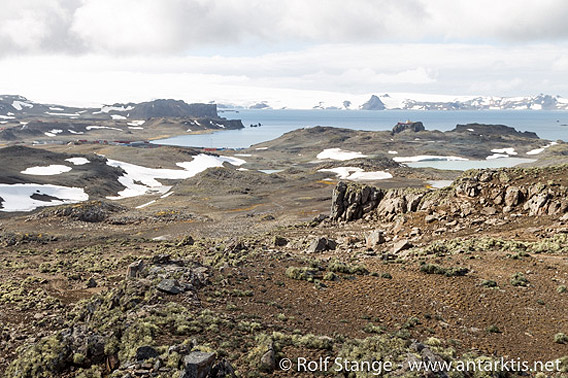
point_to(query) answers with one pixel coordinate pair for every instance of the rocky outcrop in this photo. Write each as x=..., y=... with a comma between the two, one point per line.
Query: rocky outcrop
x=493, y=130
x=352, y=201
x=411, y=126
x=483, y=192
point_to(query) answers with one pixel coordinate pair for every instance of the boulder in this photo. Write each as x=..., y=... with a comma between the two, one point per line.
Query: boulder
x=268, y=360
x=513, y=196
x=321, y=245
x=280, y=241
x=222, y=369
x=401, y=246
x=374, y=239
x=197, y=364
x=146, y=352
x=169, y=286
x=135, y=269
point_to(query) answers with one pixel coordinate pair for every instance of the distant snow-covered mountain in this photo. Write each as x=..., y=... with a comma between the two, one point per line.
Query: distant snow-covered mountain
x=412, y=101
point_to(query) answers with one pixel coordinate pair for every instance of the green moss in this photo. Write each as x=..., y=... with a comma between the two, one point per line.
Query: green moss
x=449, y=272
x=519, y=279
x=337, y=266
x=302, y=273
x=561, y=338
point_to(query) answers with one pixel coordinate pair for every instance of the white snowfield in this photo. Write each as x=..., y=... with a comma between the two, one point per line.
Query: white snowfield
x=393, y=152
x=19, y=105
x=109, y=108
x=357, y=174
x=63, y=114
x=50, y=170
x=140, y=180
x=139, y=122
x=117, y=117
x=496, y=156
x=339, y=154
x=102, y=127
x=78, y=161
x=508, y=151
x=415, y=159
x=18, y=197
x=537, y=151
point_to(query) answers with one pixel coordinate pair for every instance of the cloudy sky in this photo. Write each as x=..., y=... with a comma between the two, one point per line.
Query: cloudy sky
x=88, y=52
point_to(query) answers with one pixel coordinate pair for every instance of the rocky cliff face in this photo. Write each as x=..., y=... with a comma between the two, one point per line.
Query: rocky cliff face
x=529, y=191
x=172, y=108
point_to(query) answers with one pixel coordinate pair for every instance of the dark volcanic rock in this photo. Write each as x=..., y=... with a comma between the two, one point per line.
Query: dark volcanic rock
x=146, y=352
x=411, y=126
x=171, y=108
x=197, y=365
x=169, y=286
x=493, y=130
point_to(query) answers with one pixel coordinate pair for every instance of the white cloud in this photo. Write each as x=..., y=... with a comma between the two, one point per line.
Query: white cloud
x=330, y=72
x=175, y=26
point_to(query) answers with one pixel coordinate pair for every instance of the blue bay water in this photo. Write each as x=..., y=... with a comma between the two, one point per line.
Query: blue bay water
x=547, y=124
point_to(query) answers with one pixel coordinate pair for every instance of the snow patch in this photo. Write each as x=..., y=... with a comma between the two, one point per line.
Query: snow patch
x=140, y=180
x=102, y=127
x=19, y=105
x=537, y=151
x=357, y=174
x=18, y=197
x=117, y=117
x=508, y=151
x=78, y=161
x=50, y=170
x=339, y=154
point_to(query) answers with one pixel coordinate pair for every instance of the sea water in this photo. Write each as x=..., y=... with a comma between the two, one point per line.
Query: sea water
x=274, y=123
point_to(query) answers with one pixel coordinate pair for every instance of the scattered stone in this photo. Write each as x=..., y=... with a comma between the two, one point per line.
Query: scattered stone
x=279, y=241
x=146, y=352
x=188, y=240
x=489, y=210
x=169, y=286
x=375, y=238
x=222, y=369
x=135, y=269
x=268, y=360
x=91, y=283
x=322, y=244
x=161, y=259
x=401, y=246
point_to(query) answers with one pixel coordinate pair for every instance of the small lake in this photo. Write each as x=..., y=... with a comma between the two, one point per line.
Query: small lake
x=464, y=165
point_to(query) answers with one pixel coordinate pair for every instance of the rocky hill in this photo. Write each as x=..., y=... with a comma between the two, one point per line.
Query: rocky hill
x=20, y=107
x=477, y=193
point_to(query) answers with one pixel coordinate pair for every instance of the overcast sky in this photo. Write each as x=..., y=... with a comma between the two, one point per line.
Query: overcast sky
x=102, y=51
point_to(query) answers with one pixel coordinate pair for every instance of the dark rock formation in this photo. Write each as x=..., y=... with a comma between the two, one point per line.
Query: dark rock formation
x=171, y=108
x=493, y=130
x=412, y=126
